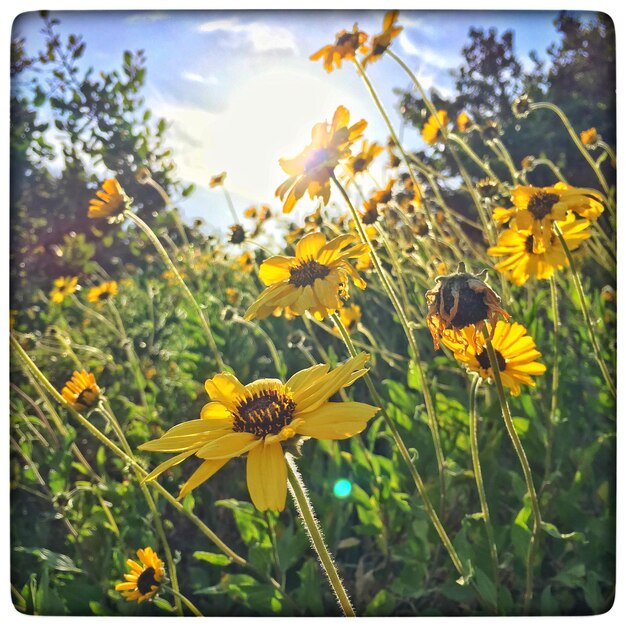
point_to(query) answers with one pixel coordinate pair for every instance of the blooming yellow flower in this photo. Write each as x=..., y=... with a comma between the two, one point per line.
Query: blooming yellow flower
x=101, y=293
x=346, y=45
x=361, y=161
x=431, y=132
x=463, y=120
x=381, y=42
x=315, y=280
x=144, y=578
x=536, y=208
x=589, y=137
x=516, y=354
x=246, y=261
x=111, y=201
x=522, y=262
x=81, y=391
x=257, y=419
x=217, y=180
x=63, y=287
x=350, y=317
x=312, y=169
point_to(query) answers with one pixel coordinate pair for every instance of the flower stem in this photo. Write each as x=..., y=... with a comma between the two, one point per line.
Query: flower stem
x=521, y=455
x=307, y=515
x=585, y=311
x=168, y=202
x=413, y=349
x=231, y=206
x=478, y=475
x=187, y=602
x=555, y=109
x=170, y=265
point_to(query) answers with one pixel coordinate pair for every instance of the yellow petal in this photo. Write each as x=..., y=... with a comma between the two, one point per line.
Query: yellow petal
x=224, y=388
x=336, y=420
x=175, y=460
x=304, y=379
x=266, y=473
x=228, y=446
x=275, y=269
x=308, y=247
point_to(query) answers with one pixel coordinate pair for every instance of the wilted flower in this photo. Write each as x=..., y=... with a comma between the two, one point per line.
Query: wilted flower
x=381, y=42
x=258, y=419
x=346, y=45
x=521, y=106
x=487, y=188
x=589, y=137
x=491, y=130
x=237, y=234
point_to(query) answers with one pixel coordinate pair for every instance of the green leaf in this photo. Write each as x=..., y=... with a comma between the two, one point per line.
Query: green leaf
x=163, y=604
x=553, y=531
x=521, y=425
x=382, y=605
x=54, y=560
x=486, y=588
x=212, y=557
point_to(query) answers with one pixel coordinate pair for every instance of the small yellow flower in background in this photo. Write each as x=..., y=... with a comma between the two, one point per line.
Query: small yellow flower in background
x=346, y=45
x=459, y=300
x=170, y=277
x=111, y=201
x=315, y=280
x=463, y=120
x=381, y=42
x=232, y=295
x=431, y=133
x=361, y=161
x=63, y=287
x=217, y=180
x=145, y=577
x=246, y=261
x=522, y=262
x=516, y=354
x=101, y=293
x=589, y=137
x=12, y=316
x=536, y=208
x=312, y=168
x=81, y=391
x=257, y=419
x=350, y=317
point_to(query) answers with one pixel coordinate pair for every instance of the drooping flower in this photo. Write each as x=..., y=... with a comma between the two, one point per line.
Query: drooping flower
x=81, y=391
x=144, y=578
x=536, y=208
x=315, y=280
x=463, y=121
x=382, y=41
x=522, y=262
x=63, y=287
x=111, y=201
x=361, y=161
x=516, y=354
x=460, y=300
x=217, y=180
x=431, y=133
x=521, y=106
x=312, y=169
x=589, y=137
x=101, y=293
x=346, y=45
x=258, y=419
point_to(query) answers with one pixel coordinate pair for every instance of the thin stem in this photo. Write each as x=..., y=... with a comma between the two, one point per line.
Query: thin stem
x=610, y=152
x=528, y=477
x=478, y=475
x=585, y=311
x=413, y=349
x=231, y=206
x=186, y=601
x=307, y=515
x=168, y=202
x=103, y=320
x=552, y=167
x=170, y=265
x=506, y=156
x=555, y=109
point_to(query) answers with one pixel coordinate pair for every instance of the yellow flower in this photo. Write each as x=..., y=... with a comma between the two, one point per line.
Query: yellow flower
x=350, y=317
x=111, y=203
x=257, y=419
x=63, y=287
x=144, y=578
x=381, y=42
x=432, y=129
x=312, y=169
x=516, y=354
x=170, y=277
x=536, y=208
x=589, y=137
x=522, y=262
x=361, y=161
x=217, y=180
x=101, y=293
x=463, y=120
x=246, y=261
x=346, y=45
x=315, y=280
x=81, y=391
x=459, y=300
x=12, y=316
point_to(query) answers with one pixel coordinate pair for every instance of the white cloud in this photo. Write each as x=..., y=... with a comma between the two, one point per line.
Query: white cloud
x=193, y=77
x=147, y=16
x=430, y=57
x=262, y=37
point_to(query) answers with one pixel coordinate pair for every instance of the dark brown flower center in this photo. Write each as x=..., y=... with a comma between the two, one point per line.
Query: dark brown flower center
x=265, y=413
x=528, y=244
x=237, y=234
x=472, y=307
x=483, y=360
x=307, y=273
x=541, y=204
x=104, y=295
x=146, y=581
x=359, y=164
x=86, y=398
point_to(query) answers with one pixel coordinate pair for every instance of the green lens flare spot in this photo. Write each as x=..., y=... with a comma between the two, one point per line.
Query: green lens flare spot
x=342, y=488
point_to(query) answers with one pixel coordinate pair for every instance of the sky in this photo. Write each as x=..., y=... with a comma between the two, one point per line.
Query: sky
x=240, y=91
